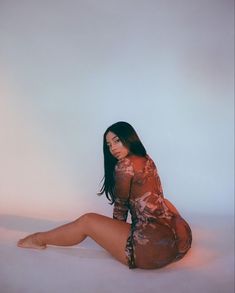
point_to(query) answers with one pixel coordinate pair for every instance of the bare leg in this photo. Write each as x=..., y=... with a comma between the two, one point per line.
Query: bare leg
x=65, y=235
x=109, y=233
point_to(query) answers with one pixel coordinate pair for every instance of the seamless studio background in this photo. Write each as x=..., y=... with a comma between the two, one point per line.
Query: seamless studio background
x=69, y=69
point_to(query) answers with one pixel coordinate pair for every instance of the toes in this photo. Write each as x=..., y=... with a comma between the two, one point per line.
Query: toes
x=24, y=242
x=19, y=243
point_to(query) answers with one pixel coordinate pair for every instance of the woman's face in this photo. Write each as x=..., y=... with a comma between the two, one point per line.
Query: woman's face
x=116, y=148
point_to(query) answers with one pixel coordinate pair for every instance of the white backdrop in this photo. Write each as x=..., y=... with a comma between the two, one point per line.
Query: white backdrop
x=69, y=69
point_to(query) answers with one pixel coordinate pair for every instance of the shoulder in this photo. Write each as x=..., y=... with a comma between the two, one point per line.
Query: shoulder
x=132, y=164
x=140, y=163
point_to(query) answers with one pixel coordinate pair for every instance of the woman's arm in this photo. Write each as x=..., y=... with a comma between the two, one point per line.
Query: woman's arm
x=120, y=209
x=123, y=178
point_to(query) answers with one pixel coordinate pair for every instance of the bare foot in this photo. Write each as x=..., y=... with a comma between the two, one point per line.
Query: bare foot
x=31, y=241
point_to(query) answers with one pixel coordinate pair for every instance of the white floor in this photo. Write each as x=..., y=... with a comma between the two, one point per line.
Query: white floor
x=208, y=267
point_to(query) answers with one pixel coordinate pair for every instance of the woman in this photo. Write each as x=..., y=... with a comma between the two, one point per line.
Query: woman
x=157, y=236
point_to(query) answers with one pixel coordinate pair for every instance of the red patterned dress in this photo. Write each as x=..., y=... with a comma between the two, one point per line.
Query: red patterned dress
x=158, y=235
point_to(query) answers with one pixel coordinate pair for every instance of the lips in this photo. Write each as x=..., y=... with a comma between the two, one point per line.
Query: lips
x=116, y=154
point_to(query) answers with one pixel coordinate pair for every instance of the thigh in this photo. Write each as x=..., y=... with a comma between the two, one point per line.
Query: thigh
x=109, y=233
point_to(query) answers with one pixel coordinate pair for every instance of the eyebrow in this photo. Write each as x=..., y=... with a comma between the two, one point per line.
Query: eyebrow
x=112, y=139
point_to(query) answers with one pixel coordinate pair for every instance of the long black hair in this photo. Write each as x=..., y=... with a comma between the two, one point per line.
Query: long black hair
x=128, y=136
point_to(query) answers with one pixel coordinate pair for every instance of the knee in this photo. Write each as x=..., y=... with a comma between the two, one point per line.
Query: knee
x=86, y=218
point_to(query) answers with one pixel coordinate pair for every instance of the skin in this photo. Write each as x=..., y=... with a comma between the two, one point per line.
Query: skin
x=116, y=148
x=109, y=233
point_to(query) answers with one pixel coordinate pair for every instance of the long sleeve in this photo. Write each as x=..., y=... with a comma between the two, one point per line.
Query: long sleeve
x=123, y=177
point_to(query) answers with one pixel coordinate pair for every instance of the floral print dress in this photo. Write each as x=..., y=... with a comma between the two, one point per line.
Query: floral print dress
x=158, y=235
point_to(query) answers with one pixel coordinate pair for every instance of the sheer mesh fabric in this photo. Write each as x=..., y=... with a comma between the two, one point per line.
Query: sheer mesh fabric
x=158, y=234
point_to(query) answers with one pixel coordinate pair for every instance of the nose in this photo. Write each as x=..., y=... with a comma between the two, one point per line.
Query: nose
x=113, y=148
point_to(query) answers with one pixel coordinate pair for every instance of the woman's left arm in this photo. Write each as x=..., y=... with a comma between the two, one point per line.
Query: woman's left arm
x=123, y=178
